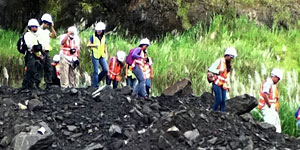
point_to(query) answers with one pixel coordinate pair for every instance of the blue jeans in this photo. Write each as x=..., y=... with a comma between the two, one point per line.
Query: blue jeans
x=220, y=97
x=148, y=86
x=131, y=82
x=103, y=73
x=108, y=82
x=140, y=88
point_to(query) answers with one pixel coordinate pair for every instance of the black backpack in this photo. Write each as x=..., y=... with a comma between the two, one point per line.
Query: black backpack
x=21, y=45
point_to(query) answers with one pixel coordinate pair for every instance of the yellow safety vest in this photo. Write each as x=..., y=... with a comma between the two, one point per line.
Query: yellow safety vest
x=99, y=51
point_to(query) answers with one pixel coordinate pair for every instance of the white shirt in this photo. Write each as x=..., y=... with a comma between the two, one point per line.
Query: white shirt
x=44, y=38
x=267, y=85
x=31, y=39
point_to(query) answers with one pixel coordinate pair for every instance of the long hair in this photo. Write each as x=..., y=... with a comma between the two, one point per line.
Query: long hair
x=228, y=65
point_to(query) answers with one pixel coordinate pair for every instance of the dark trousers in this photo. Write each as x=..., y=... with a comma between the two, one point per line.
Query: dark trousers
x=47, y=68
x=31, y=78
x=108, y=82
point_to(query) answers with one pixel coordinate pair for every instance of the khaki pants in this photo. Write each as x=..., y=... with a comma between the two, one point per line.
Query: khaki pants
x=67, y=74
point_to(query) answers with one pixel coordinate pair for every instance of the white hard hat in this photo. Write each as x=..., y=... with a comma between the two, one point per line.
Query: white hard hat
x=145, y=41
x=277, y=72
x=231, y=51
x=47, y=17
x=121, y=55
x=56, y=58
x=73, y=29
x=100, y=26
x=33, y=22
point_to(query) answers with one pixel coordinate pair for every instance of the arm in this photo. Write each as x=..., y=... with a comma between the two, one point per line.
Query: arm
x=91, y=43
x=265, y=96
x=63, y=41
x=214, y=66
x=53, y=32
x=136, y=53
x=151, y=72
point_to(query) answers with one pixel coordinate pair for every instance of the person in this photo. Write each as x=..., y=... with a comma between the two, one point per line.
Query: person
x=33, y=56
x=97, y=43
x=44, y=38
x=130, y=77
x=69, y=57
x=297, y=116
x=138, y=56
x=115, y=66
x=148, y=73
x=222, y=68
x=55, y=70
x=268, y=99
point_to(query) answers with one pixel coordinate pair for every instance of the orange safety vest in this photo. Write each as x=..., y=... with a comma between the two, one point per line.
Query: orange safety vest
x=273, y=97
x=69, y=44
x=221, y=79
x=114, y=69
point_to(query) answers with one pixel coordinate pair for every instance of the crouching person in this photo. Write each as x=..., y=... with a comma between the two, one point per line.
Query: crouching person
x=69, y=54
x=115, y=66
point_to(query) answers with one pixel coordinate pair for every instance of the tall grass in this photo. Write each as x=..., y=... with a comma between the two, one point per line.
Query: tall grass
x=189, y=54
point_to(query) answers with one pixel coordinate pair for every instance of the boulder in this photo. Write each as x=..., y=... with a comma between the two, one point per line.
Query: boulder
x=181, y=88
x=241, y=104
x=33, y=139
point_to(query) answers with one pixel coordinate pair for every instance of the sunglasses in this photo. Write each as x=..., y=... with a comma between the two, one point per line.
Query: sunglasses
x=33, y=26
x=48, y=23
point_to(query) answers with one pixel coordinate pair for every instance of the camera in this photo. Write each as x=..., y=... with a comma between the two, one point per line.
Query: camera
x=73, y=50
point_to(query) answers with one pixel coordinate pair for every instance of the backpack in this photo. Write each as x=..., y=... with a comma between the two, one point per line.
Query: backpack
x=129, y=59
x=21, y=45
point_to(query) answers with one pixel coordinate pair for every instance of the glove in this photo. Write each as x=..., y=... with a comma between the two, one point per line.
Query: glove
x=72, y=51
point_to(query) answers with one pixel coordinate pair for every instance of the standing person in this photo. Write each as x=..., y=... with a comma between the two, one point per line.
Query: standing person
x=99, y=50
x=69, y=54
x=138, y=56
x=268, y=99
x=115, y=66
x=55, y=70
x=32, y=56
x=222, y=67
x=130, y=77
x=148, y=73
x=44, y=38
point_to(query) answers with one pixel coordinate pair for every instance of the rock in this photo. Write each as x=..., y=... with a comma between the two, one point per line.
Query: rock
x=247, y=117
x=207, y=98
x=174, y=131
x=241, y=104
x=117, y=144
x=267, y=126
x=5, y=141
x=34, y=140
x=94, y=146
x=22, y=107
x=71, y=128
x=20, y=127
x=181, y=88
x=35, y=104
x=163, y=143
x=6, y=102
x=124, y=90
x=74, y=91
x=192, y=135
x=213, y=140
x=114, y=130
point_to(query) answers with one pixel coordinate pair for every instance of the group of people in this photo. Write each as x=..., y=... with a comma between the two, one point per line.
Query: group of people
x=218, y=74
x=138, y=66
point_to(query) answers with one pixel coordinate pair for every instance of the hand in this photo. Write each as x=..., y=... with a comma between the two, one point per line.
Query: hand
x=228, y=89
x=221, y=72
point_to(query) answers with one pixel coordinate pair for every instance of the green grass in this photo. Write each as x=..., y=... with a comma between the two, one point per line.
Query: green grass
x=189, y=54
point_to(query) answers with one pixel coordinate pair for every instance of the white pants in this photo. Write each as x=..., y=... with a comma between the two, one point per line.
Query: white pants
x=271, y=116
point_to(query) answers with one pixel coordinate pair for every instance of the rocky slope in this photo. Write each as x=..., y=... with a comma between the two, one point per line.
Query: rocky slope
x=72, y=119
